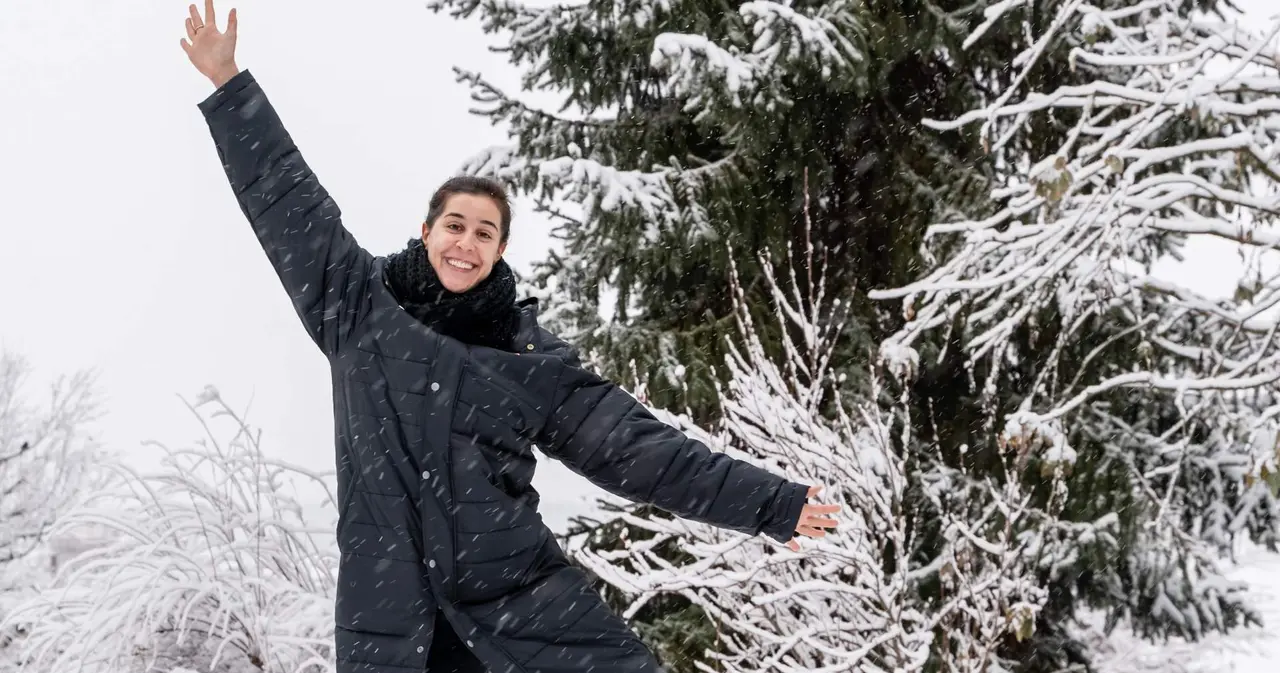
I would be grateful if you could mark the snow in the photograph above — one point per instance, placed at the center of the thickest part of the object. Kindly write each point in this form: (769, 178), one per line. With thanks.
(604, 188)
(902, 361)
(741, 73)
(208, 555)
(847, 602)
(1040, 435)
(1252, 649)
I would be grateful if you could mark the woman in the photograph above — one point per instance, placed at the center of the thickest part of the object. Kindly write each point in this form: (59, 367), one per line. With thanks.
(442, 383)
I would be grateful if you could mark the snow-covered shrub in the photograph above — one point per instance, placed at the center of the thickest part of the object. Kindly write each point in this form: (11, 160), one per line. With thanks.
(853, 600)
(209, 562)
(45, 456)
(45, 453)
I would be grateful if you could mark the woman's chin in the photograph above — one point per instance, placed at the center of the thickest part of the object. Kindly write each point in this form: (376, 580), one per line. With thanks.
(459, 283)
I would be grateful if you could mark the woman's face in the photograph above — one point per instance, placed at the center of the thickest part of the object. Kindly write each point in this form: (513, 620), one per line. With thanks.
(465, 241)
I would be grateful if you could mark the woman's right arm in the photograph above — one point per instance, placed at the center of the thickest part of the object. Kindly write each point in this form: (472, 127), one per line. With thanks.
(601, 432)
(319, 262)
(324, 270)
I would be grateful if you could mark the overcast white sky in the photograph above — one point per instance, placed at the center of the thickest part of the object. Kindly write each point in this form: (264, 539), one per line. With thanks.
(123, 248)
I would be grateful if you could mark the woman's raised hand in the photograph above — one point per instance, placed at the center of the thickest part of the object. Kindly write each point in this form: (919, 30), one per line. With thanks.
(814, 519)
(212, 51)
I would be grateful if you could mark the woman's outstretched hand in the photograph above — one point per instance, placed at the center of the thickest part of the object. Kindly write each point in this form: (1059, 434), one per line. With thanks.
(212, 51)
(814, 519)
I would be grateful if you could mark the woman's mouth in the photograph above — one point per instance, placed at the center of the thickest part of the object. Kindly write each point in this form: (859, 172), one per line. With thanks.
(459, 264)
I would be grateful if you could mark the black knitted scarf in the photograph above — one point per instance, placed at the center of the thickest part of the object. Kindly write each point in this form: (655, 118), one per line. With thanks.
(485, 315)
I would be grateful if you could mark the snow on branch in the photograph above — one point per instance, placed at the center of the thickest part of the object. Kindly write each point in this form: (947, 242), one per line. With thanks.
(853, 600)
(1176, 137)
(1182, 139)
(542, 133)
(780, 37)
(534, 26)
(46, 462)
(206, 560)
(550, 160)
(44, 453)
(628, 200)
(650, 200)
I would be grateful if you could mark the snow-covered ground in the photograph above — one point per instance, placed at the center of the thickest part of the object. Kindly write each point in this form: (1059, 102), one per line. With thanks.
(1246, 650)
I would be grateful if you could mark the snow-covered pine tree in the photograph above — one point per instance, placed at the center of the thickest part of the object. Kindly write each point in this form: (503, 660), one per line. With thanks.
(853, 601)
(682, 138)
(1047, 300)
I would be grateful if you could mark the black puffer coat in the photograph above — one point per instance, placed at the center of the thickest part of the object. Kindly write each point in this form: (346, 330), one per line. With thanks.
(434, 439)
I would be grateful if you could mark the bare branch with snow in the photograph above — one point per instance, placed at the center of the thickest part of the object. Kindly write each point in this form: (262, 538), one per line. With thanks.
(207, 560)
(44, 453)
(854, 600)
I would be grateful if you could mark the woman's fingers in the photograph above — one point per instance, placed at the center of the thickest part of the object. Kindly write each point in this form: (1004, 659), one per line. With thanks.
(813, 523)
(191, 31)
(819, 511)
(210, 18)
(195, 20)
(807, 531)
(232, 23)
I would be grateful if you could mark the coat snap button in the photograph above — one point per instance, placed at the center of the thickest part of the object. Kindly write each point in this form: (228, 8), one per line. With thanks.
(420, 649)
(426, 474)
(528, 347)
(434, 386)
(432, 563)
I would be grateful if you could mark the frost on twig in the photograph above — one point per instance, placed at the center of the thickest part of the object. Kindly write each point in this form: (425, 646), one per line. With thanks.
(1123, 373)
(206, 560)
(46, 459)
(45, 453)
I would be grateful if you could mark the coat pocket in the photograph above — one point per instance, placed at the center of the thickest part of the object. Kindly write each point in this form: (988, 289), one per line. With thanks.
(382, 617)
(378, 651)
(381, 595)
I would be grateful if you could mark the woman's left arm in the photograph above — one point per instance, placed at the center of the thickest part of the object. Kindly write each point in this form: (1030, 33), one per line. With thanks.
(604, 434)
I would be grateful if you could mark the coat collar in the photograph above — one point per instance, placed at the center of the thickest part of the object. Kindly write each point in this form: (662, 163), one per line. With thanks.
(533, 338)
(528, 331)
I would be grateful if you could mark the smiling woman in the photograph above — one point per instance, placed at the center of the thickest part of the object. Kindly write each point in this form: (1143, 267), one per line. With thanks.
(442, 384)
(454, 279)
(466, 231)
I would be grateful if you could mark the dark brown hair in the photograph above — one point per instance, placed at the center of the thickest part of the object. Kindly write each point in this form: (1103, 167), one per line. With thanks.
(479, 186)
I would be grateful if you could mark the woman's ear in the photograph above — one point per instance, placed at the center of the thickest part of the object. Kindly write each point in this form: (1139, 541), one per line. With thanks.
(426, 229)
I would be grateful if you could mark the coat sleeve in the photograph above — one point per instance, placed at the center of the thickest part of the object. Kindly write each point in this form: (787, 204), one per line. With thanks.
(601, 432)
(319, 263)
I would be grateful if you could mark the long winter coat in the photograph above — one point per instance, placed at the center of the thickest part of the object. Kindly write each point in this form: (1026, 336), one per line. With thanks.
(434, 437)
